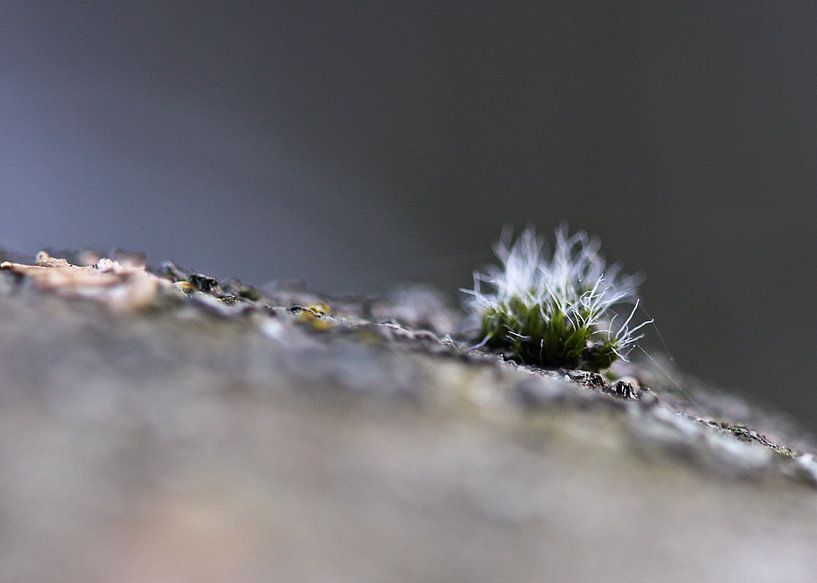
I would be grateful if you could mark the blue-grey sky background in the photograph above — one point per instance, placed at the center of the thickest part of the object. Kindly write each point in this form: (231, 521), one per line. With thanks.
(356, 145)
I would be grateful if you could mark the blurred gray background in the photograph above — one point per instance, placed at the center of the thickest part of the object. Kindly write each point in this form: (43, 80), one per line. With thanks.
(360, 145)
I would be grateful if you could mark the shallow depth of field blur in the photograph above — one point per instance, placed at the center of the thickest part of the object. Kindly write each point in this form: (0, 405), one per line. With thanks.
(357, 146)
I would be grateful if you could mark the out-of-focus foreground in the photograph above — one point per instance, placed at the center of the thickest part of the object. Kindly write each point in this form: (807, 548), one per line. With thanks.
(220, 437)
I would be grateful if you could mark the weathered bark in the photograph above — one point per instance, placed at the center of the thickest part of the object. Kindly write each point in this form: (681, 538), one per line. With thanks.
(215, 438)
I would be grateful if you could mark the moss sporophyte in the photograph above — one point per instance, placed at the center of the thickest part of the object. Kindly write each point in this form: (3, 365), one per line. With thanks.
(556, 310)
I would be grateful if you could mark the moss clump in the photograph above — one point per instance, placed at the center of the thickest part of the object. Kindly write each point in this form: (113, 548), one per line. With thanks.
(554, 342)
(554, 310)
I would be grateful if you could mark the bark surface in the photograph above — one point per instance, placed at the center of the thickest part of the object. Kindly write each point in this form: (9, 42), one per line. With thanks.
(216, 433)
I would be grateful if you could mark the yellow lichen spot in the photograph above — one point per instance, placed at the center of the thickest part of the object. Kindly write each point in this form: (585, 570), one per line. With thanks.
(321, 309)
(322, 324)
(316, 316)
(184, 286)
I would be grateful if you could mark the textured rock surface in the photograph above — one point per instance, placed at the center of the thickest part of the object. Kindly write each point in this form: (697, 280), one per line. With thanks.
(224, 436)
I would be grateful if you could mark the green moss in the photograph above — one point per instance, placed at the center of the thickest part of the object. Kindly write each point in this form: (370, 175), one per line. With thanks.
(546, 337)
(555, 309)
